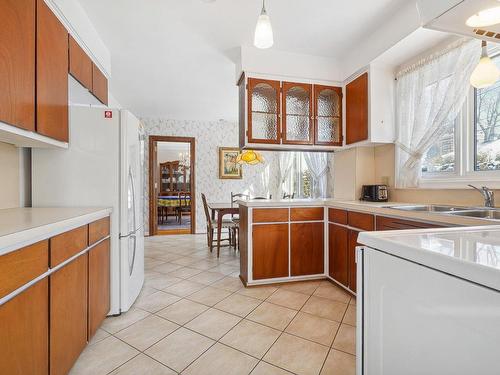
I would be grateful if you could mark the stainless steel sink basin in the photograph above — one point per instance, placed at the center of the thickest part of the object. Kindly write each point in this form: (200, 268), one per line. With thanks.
(482, 214)
(429, 208)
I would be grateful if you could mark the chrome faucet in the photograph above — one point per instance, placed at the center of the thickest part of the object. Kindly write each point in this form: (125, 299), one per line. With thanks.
(488, 195)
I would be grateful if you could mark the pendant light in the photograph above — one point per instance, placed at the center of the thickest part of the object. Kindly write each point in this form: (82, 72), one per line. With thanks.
(250, 157)
(487, 17)
(263, 31)
(486, 72)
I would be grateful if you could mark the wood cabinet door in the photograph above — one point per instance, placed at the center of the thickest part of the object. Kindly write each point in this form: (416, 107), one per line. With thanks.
(24, 332)
(270, 251)
(68, 315)
(351, 259)
(297, 107)
(357, 110)
(17, 60)
(98, 286)
(338, 254)
(264, 114)
(307, 249)
(327, 115)
(99, 85)
(80, 64)
(51, 75)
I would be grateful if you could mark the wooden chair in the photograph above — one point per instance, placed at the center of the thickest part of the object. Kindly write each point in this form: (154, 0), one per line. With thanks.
(212, 226)
(184, 205)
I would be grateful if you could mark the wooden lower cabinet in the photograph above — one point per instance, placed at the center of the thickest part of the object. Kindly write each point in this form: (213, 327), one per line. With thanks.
(68, 315)
(351, 259)
(24, 332)
(307, 248)
(99, 273)
(338, 253)
(270, 251)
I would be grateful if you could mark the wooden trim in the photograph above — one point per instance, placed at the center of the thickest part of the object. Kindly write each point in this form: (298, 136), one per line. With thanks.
(153, 141)
(270, 215)
(252, 82)
(307, 213)
(308, 88)
(337, 216)
(317, 90)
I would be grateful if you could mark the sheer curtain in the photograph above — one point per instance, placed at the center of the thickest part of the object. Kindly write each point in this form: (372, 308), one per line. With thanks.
(285, 166)
(317, 162)
(430, 94)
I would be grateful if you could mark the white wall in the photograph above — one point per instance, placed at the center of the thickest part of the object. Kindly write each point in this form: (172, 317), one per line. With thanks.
(9, 175)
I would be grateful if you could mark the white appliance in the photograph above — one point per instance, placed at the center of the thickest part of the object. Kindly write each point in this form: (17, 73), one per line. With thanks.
(413, 320)
(103, 166)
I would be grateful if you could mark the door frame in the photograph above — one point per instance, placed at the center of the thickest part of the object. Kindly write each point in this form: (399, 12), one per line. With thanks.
(153, 207)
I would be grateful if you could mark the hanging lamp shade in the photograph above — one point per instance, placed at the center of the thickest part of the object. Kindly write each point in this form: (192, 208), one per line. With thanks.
(263, 31)
(486, 72)
(484, 18)
(250, 157)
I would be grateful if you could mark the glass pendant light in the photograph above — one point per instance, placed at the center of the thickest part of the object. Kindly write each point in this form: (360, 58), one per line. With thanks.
(250, 157)
(263, 31)
(486, 72)
(487, 17)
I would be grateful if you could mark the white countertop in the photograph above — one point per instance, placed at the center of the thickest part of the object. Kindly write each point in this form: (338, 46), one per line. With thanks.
(470, 253)
(23, 226)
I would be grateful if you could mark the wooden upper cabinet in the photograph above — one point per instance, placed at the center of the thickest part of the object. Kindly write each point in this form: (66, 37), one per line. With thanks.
(52, 75)
(17, 63)
(297, 114)
(99, 85)
(264, 124)
(327, 115)
(80, 64)
(270, 251)
(357, 110)
(24, 332)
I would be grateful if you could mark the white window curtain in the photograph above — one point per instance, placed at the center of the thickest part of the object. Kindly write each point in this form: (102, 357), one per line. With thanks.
(286, 160)
(430, 94)
(317, 162)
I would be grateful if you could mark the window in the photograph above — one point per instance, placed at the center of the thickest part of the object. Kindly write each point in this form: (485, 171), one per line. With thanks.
(468, 150)
(299, 181)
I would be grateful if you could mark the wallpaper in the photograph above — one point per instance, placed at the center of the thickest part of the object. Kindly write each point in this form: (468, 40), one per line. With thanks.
(258, 180)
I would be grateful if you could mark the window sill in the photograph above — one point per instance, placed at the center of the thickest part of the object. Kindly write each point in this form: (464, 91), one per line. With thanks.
(459, 182)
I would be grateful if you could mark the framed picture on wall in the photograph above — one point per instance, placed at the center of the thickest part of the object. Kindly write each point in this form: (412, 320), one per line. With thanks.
(228, 166)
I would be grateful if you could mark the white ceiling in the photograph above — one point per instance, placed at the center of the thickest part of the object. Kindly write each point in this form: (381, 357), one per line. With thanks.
(175, 58)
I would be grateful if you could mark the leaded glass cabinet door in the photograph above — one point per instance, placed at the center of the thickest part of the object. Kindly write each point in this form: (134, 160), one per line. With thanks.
(263, 111)
(327, 115)
(297, 114)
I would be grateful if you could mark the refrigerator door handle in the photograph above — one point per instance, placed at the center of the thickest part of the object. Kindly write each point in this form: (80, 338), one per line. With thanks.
(132, 264)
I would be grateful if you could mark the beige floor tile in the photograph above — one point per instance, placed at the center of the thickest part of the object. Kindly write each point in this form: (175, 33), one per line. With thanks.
(352, 301)
(332, 292)
(350, 315)
(339, 363)
(147, 291)
(209, 296)
(156, 301)
(167, 257)
(213, 323)
(225, 269)
(207, 277)
(150, 263)
(346, 339)
(179, 349)
(325, 308)
(306, 287)
(297, 355)
(231, 284)
(252, 338)
(142, 364)
(184, 261)
(204, 264)
(219, 360)
(272, 315)
(238, 304)
(161, 281)
(264, 368)
(287, 298)
(103, 357)
(313, 328)
(182, 311)
(98, 336)
(146, 332)
(184, 288)
(166, 267)
(115, 324)
(185, 272)
(260, 292)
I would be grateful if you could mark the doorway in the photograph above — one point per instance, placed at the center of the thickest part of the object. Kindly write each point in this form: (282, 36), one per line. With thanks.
(172, 202)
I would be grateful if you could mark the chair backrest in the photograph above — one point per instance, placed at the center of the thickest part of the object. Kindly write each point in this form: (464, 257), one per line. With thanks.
(236, 196)
(288, 196)
(205, 208)
(270, 197)
(184, 196)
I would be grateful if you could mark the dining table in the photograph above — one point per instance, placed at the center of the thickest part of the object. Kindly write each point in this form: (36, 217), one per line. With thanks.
(218, 210)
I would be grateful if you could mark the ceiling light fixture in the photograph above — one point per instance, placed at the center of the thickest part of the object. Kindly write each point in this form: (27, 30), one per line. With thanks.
(250, 157)
(263, 31)
(486, 72)
(487, 17)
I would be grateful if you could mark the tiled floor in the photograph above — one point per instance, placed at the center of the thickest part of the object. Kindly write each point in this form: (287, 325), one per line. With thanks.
(195, 317)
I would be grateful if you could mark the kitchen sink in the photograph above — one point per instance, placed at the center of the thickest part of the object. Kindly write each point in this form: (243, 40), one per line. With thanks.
(429, 208)
(482, 214)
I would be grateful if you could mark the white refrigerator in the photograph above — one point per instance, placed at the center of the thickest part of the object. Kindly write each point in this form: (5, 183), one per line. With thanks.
(103, 166)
